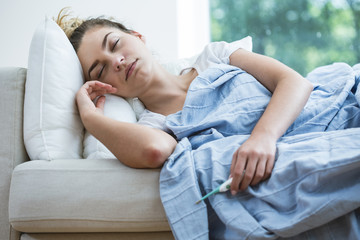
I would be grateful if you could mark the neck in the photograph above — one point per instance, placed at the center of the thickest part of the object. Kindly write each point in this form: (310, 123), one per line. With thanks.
(166, 93)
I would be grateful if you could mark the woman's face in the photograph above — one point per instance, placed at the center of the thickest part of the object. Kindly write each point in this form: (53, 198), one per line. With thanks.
(117, 58)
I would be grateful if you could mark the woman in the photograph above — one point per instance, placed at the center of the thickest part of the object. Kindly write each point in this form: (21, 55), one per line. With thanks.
(116, 60)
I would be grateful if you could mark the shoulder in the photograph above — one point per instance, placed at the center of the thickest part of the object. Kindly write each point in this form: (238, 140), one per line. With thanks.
(213, 53)
(225, 49)
(219, 53)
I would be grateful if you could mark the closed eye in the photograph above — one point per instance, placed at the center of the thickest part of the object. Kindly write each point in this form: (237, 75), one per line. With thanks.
(116, 42)
(100, 72)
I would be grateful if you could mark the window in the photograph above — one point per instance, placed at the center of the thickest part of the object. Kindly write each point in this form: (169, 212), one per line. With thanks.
(302, 34)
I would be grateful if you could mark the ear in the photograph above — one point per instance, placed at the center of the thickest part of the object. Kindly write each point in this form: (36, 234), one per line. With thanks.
(136, 34)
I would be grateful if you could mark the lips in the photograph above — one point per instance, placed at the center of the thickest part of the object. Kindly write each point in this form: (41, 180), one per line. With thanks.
(129, 70)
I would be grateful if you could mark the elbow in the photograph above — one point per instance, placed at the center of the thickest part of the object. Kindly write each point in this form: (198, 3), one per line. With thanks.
(302, 84)
(154, 156)
(158, 150)
(308, 86)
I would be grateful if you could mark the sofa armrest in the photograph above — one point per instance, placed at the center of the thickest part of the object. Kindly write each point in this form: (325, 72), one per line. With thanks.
(12, 149)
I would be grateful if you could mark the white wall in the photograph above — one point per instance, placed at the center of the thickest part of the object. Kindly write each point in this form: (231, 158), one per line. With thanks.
(193, 28)
(158, 20)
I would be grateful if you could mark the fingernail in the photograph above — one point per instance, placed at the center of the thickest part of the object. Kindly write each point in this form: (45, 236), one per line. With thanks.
(233, 192)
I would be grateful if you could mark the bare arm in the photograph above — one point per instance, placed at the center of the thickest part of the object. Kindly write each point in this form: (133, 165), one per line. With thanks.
(134, 145)
(290, 94)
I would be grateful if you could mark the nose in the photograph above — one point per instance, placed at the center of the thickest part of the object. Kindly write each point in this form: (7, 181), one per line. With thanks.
(118, 63)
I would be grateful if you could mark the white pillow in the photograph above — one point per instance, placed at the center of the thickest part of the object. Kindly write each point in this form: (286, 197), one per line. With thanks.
(52, 125)
(116, 108)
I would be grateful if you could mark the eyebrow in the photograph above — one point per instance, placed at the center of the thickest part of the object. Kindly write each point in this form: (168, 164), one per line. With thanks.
(103, 45)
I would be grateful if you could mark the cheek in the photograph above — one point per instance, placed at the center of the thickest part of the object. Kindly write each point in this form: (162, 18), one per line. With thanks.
(112, 79)
(146, 71)
(125, 93)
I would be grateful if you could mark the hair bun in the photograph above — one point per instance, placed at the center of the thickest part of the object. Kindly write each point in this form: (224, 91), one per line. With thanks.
(67, 23)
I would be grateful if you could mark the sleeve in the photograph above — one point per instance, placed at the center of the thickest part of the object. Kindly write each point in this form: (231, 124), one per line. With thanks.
(153, 120)
(219, 52)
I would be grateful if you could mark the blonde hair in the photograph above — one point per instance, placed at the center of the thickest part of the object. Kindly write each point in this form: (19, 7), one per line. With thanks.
(67, 23)
(75, 27)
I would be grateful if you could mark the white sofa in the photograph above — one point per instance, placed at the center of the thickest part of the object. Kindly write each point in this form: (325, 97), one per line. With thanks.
(69, 198)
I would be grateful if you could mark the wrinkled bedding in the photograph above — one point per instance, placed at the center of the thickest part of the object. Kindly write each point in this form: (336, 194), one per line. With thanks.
(314, 189)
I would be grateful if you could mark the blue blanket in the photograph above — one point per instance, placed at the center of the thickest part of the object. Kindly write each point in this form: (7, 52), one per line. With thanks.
(314, 189)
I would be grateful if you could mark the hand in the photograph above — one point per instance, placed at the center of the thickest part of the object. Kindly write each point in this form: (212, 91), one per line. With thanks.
(252, 162)
(88, 92)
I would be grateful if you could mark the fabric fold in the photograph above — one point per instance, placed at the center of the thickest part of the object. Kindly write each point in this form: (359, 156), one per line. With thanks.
(315, 180)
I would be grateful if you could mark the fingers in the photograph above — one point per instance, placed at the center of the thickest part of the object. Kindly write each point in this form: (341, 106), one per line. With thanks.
(237, 170)
(269, 167)
(259, 171)
(252, 170)
(100, 103)
(249, 172)
(249, 167)
(88, 92)
(96, 88)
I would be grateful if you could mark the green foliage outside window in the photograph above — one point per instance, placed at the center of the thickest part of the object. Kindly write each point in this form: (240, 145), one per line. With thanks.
(303, 34)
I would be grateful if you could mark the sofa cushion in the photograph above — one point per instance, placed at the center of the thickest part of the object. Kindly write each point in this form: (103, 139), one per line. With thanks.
(77, 195)
(99, 236)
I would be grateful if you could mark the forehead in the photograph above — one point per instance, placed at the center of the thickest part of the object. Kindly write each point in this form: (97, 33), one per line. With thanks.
(90, 46)
(93, 38)
(97, 31)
